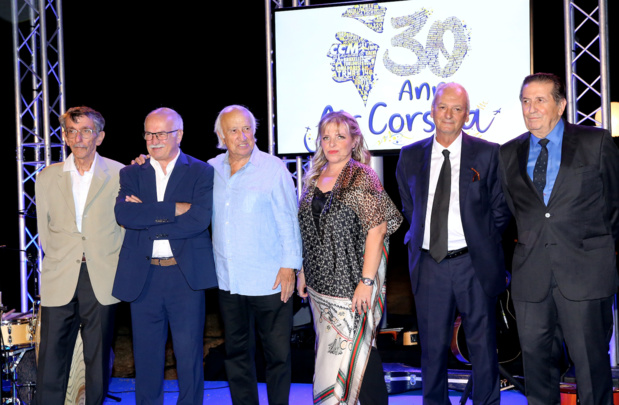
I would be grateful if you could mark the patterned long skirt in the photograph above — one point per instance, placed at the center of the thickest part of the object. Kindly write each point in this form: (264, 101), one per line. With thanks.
(343, 343)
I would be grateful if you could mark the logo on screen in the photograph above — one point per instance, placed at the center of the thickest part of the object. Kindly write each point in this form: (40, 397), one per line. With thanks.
(353, 58)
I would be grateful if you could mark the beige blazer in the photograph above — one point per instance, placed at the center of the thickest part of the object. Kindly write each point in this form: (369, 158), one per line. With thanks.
(63, 245)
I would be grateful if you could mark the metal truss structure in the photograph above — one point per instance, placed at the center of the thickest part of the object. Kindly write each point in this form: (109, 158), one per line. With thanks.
(586, 57)
(297, 167)
(39, 101)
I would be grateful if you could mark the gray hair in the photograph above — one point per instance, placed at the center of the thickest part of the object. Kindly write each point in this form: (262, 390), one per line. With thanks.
(558, 88)
(178, 120)
(219, 129)
(75, 113)
(441, 87)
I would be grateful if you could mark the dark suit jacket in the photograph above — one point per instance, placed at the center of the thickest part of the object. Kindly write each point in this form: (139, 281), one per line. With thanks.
(191, 181)
(574, 236)
(483, 210)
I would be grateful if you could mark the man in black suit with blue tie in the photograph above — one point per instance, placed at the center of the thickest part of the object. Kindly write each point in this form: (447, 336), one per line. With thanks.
(561, 182)
(451, 196)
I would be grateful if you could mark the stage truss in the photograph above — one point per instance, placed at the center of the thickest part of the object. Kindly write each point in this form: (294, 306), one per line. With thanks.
(39, 100)
(586, 60)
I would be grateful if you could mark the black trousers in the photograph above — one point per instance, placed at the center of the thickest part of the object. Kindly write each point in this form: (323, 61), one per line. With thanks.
(272, 319)
(586, 327)
(59, 329)
(373, 388)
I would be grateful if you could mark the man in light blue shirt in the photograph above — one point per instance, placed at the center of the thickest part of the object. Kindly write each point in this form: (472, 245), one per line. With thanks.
(257, 247)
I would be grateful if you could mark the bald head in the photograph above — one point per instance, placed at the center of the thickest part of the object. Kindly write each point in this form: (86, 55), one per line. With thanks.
(456, 87)
(164, 127)
(168, 114)
(450, 110)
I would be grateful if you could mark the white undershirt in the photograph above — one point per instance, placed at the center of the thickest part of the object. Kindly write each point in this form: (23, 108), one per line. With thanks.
(161, 248)
(80, 184)
(455, 232)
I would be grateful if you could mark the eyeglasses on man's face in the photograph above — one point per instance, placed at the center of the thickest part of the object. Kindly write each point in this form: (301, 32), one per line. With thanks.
(86, 133)
(162, 136)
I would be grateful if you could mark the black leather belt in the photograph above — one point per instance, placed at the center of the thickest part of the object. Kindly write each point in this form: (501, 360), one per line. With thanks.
(452, 253)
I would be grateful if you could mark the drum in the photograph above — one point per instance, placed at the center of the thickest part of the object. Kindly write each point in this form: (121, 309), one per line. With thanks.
(18, 332)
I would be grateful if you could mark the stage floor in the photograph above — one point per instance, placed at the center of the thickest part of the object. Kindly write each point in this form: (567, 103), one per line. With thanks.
(217, 392)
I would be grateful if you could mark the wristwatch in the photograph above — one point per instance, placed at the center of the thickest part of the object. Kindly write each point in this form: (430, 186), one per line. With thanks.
(297, 272)
(367, 281)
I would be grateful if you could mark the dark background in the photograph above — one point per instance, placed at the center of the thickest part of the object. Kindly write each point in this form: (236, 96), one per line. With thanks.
(125, 59)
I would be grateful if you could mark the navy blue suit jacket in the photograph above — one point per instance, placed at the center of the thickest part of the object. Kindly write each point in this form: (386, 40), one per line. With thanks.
(483, 210)
(191, 181)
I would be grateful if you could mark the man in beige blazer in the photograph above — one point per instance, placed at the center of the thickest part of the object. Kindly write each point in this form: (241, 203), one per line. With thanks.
(81, 242)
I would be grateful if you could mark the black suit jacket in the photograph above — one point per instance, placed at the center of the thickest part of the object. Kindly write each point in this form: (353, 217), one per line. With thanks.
(483, 210)
(574, 236)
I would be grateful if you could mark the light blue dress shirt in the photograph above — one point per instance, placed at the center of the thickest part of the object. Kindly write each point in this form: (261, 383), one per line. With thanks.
(255, 224)
(555, 138)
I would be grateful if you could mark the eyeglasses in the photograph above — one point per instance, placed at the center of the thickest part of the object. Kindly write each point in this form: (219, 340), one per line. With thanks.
(86, 133)
(162, 136)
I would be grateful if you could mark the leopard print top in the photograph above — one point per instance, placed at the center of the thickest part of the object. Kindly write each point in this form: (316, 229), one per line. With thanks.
(333, 254)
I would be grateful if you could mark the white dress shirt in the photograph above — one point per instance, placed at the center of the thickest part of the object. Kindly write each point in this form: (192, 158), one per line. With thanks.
(455, 232)
(161, 248)
(80, 184)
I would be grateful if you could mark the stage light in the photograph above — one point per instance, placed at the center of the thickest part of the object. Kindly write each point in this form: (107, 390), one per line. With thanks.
(614, 117)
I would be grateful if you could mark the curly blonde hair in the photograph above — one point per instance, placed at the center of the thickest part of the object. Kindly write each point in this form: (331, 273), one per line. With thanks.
(360, 152)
